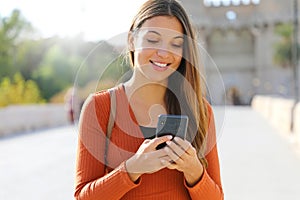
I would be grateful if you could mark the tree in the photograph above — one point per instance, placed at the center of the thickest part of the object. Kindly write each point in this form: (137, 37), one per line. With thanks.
(117, 69)
(97, 59)
(56, 72)
(54, 64)
(28, 56)
(10, 31)
(18, 91)
(283, 48)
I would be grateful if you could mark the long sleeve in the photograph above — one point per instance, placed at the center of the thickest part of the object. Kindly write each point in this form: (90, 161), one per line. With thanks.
(209, 187)
(91, 183)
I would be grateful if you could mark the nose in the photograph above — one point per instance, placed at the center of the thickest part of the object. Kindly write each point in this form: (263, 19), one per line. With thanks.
(163, 52)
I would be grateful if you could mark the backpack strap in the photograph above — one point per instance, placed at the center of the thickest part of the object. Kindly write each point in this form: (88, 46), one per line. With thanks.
(111, 121)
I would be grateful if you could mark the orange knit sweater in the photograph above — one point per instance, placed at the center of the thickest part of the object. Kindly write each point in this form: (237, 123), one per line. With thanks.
(92, 182)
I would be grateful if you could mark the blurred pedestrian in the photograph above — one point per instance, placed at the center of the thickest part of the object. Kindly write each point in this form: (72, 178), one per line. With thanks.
(72, 105)
(233, 95)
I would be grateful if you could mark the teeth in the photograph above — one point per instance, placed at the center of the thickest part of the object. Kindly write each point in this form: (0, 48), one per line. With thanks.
(160, 64)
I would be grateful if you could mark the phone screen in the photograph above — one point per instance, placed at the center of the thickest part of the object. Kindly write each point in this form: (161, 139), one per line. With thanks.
(175, 125)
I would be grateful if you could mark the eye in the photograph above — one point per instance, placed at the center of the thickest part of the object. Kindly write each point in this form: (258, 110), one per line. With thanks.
(177, 45)
(152, 41)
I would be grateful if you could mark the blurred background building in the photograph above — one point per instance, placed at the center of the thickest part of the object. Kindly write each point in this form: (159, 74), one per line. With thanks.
(240, 36)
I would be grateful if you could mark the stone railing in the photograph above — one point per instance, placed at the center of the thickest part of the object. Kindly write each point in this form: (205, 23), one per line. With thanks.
(282, 113)
(14, 119)
(296, 124)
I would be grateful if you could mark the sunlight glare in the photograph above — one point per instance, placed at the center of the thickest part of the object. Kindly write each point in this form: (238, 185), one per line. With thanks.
(96, 20)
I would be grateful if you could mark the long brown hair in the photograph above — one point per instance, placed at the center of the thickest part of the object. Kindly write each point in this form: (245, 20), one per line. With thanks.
(186, 91)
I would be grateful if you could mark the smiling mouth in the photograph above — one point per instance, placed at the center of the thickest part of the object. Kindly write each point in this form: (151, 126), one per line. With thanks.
(161, 65)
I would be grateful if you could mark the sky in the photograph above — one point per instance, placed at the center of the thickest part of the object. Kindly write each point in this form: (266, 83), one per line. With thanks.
(96, 19)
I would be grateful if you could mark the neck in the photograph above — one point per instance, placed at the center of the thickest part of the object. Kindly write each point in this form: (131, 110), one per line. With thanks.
(145, 91)
(146, 99)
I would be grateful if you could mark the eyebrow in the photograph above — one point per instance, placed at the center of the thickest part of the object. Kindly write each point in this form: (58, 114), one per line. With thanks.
(155, 32)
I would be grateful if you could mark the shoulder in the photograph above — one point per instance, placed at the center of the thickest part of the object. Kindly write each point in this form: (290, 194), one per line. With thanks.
(97, 101)
(96, 97)
(96, 105)
(101, 97)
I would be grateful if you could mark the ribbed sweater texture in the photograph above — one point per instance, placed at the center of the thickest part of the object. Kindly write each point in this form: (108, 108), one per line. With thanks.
(95, 181)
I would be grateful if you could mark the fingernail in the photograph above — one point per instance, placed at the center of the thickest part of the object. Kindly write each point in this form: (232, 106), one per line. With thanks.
(166, 150)
(170, 137)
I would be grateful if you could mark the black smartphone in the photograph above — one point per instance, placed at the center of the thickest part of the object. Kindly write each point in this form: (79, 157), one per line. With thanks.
(175, 125)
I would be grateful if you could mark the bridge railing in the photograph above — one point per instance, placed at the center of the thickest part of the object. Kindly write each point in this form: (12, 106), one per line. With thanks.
(20, 118)
(282, 113)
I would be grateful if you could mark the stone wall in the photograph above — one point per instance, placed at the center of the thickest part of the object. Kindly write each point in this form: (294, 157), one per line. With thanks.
(282, 114)
(14, 119)
(297, 122)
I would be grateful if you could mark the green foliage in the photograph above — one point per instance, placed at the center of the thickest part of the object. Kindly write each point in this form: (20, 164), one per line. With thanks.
(55, 72)
(28, 56)
(116, 69)
(18, 91)
(11, 29)
(49, 66)
(96, 62)
(284, 30)
(283, 48)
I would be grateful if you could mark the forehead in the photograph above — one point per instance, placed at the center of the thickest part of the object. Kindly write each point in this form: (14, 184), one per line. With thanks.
(163, 24)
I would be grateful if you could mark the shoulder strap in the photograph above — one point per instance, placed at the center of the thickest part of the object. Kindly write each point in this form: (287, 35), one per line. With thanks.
(112, 112)
(111, 120)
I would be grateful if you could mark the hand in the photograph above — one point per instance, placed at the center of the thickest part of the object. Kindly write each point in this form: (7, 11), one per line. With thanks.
(184, 158)
(147, 159)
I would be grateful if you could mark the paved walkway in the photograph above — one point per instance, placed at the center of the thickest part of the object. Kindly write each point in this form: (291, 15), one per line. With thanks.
(257, 163)
(38, 166)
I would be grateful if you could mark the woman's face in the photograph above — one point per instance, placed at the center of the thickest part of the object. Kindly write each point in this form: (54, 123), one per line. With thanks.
(158, 47)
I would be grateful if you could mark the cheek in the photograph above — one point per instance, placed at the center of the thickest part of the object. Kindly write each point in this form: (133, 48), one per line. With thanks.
(142, 56)
(177, 60)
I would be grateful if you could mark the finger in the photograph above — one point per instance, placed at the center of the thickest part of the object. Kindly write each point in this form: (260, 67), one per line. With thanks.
(166, 161)
(184, 144)
(176, 148)
(172, 166)
(146, 141)
(159, 140)
(191, 151)
(160, 153)
(173, 156)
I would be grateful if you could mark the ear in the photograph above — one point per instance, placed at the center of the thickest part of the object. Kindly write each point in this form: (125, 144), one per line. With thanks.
(130, 41)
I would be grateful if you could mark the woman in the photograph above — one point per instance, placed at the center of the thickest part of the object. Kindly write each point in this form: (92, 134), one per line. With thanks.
(165, 80)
